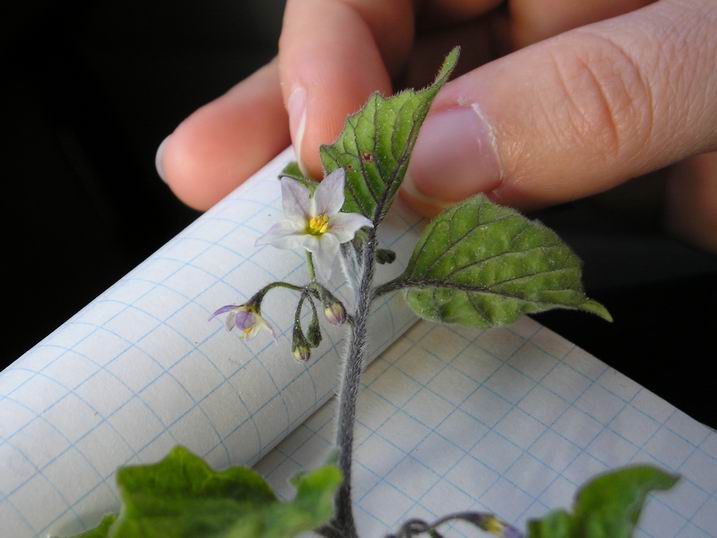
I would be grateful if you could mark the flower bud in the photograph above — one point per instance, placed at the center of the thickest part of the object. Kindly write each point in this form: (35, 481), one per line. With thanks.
(385, 256)
(313, 335)
(301, 352)
(335, 313)
(300, 348)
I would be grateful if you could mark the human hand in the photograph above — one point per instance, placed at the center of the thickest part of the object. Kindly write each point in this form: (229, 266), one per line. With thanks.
(592, 103)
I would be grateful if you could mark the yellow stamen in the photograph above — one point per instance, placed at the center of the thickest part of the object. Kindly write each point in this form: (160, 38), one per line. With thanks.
(318, 225)
(493, 526)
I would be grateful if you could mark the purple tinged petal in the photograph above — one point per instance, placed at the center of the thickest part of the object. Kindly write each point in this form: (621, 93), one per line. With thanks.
(224, 309)
(511, 532)
(329, 195)
(245, 320)
(345, 225)
(335, 314)
(295, 199)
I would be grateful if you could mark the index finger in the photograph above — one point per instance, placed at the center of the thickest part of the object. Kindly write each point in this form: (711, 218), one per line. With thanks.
(332, 55)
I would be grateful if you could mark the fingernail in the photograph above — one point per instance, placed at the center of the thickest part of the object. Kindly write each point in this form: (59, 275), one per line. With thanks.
(158, 158)
(296, 106)
(455, 157)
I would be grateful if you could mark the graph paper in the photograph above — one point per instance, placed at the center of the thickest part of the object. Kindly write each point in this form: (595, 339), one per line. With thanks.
(449, 419)
(509, 421)
(141, 369)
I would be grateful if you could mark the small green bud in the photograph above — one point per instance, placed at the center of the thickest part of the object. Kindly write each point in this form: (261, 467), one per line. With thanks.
(385, 256)
(314, 334)
(301, 352)
(300, 348)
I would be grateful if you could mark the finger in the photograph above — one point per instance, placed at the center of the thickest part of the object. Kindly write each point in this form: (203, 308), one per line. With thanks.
(576, 114)
(535, 20)
(225, 141)
(333, 55)
(692, 201)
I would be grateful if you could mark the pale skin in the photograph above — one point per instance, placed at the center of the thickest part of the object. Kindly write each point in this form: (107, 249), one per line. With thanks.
(558, 100)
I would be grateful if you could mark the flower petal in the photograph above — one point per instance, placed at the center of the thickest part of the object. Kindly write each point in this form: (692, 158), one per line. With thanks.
(229, 322)
(325, 250)
(263, 324)
(295, 199)
(345, 225)
(223, 309)
(245, 320)
(283, 234)
(329, 195)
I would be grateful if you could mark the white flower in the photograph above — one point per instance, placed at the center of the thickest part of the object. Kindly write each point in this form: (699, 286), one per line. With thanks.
(314, 222)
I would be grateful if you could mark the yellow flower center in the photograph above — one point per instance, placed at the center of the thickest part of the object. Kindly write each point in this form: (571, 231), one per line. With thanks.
(493, 526)
(318, 225)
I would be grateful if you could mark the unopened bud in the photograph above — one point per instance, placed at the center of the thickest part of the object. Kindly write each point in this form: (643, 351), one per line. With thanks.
(313, 335)
(300, 348)
(301, 352)
(385, 256)
(335, 313)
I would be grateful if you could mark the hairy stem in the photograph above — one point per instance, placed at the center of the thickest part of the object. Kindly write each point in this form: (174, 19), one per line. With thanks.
(310, 264)
(259, 295)
(348, 393)
(388, 287)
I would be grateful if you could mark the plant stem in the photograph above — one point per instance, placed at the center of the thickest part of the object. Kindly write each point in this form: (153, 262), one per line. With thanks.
(388, 287)
(348, 393)
(259, 295)
(310, 264)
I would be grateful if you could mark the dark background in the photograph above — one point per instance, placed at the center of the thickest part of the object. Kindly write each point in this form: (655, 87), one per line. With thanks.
(91, 88)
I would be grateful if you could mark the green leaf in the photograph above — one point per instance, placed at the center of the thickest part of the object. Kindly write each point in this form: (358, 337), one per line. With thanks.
(608, 506)
(376, 143)
(292, 171)
(102, 530)
(480, 264)
(181, 496)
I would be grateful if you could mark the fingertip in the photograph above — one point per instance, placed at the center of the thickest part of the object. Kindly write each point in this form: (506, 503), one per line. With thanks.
(159, 158)
(185, 161)
(335, 95)
(326, 75)
(418, 202)
(226, 141)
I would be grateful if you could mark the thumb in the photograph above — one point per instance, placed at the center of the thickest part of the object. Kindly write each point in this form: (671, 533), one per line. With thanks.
(576, 114)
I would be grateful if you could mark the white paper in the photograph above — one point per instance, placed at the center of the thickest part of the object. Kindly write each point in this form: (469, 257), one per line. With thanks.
(509, 421)
(141, 368)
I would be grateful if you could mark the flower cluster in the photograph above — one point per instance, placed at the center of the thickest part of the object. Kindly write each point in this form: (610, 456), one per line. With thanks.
(312, 221)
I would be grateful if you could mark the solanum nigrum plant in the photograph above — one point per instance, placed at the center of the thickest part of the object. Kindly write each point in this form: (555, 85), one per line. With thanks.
(477, 264)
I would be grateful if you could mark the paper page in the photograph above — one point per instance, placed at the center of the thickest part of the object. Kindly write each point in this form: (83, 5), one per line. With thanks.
(510, 421)
(141, 369)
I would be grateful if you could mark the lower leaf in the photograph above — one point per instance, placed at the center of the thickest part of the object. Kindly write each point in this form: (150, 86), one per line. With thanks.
(182, 497)
(608, 506)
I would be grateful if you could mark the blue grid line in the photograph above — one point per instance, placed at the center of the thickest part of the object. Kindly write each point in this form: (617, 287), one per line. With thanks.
(433, 430)
(88, 335)
(323, 359)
